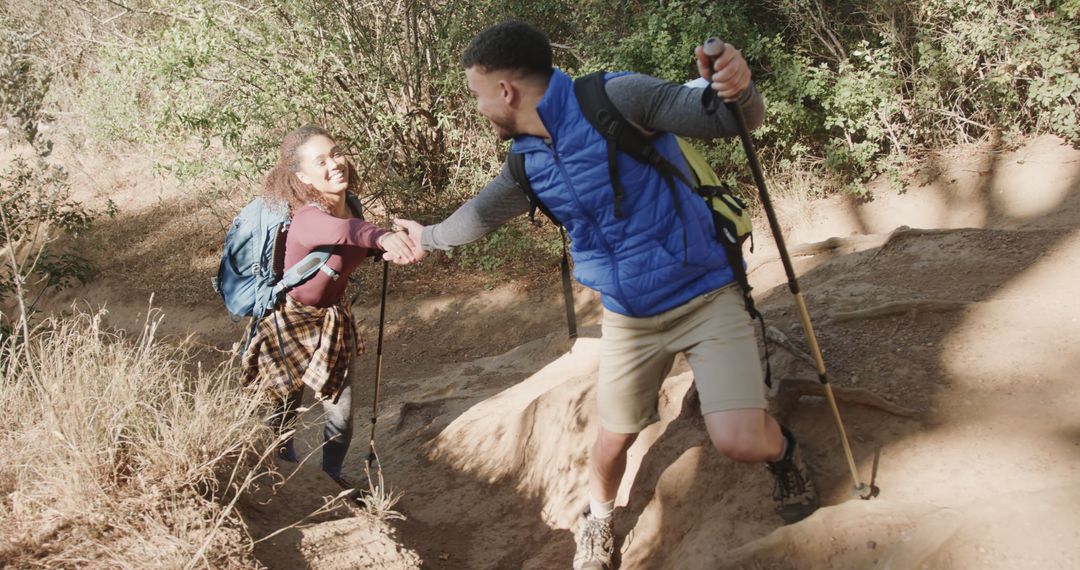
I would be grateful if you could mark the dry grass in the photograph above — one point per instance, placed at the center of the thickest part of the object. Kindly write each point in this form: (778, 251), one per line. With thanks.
(116, 455)
(379, 500)
(793, 191)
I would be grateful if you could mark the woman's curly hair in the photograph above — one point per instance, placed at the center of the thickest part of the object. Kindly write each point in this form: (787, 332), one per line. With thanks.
(283, 186)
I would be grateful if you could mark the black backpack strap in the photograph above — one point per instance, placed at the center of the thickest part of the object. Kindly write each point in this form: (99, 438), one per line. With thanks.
(606, 118)
(622, 135)
(568, 289)
(616, 130)
(727, 235)
(515, 162)
(735, 261)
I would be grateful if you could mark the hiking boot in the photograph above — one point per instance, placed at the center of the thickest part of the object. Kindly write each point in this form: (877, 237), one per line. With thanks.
(595, 543)
(794, 492)
(287, 452)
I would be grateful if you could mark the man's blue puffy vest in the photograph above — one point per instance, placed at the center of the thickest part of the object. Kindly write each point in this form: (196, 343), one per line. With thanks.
(639, 262)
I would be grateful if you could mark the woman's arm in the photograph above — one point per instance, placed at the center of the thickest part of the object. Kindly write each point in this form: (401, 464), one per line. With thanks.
(315, 227)
(312, 227)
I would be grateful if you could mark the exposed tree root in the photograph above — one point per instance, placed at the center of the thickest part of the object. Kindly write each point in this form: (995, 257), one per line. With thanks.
(899, 308)
(787, 391)
(853, 243)
(904, 232)
(425, 409)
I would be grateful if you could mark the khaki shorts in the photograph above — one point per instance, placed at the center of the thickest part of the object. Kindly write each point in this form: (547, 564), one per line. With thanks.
(716, 334)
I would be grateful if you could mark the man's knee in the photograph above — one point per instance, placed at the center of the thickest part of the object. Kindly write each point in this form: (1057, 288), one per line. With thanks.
(744, 449)
(741, 435)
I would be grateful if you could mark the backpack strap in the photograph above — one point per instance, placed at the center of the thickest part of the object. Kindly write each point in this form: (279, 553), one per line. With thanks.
(316, 260)
(619, 132)
(719, 196)
(622, 135)
(515, 162)
(735, 261)
(305, 268)
(352, 201)
(375, 254)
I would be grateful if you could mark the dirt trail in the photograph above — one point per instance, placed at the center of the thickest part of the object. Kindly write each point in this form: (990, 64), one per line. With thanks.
(952, 349)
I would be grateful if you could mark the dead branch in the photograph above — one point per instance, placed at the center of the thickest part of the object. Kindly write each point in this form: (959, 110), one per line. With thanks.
(130, 10)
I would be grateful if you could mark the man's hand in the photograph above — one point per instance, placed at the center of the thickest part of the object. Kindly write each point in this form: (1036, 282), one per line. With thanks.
(728, 72)
(413, 230)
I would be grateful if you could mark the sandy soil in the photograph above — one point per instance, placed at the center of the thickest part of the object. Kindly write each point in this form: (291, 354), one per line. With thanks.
(947, 314)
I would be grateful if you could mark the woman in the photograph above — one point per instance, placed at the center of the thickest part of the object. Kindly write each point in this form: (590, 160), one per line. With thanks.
(311, 338)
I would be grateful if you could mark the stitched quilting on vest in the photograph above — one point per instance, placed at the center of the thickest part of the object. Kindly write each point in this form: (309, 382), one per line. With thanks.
(639, 261)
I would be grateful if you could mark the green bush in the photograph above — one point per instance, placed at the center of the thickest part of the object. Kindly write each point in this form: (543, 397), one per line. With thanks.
(227, 84)
(854, 89)
(35, 204)
(35, 208)
(23, 85)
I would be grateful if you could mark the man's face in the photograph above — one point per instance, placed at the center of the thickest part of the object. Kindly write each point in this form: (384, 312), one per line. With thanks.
(491, 90)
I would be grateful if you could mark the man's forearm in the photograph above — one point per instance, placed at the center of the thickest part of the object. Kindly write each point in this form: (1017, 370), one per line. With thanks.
(499, 201)
(658, 105)
(464, 226)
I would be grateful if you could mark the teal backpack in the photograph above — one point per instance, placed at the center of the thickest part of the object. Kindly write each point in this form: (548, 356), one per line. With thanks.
(251, 276)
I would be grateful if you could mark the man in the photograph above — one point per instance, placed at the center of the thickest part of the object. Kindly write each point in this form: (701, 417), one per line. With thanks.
(664, 279)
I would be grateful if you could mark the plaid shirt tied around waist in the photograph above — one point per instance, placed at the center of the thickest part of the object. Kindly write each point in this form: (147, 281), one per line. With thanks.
(298, 344)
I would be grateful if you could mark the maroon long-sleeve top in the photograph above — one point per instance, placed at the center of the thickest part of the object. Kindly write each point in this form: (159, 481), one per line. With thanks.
(311, 228)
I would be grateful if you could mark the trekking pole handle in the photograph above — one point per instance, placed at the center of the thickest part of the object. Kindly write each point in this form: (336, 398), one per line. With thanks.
(713, 48)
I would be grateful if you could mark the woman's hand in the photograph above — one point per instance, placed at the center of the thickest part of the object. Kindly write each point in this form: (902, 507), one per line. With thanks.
(728, 72)
(416, 232)
(398, 247)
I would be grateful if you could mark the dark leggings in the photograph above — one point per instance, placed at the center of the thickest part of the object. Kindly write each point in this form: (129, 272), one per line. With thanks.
(337, 430)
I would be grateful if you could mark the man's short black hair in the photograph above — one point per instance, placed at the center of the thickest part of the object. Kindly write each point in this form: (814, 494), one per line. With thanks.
(510, 45)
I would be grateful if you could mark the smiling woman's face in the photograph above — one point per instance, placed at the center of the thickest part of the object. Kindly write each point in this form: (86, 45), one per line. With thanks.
(323, 166)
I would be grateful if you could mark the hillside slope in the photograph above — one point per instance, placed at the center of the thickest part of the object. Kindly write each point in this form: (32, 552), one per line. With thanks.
(951, 347)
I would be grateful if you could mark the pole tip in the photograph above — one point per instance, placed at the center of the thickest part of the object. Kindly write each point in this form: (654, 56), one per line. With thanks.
(865, 492)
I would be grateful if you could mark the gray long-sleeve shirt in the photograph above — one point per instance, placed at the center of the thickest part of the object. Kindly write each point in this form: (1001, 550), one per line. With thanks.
(651, 103)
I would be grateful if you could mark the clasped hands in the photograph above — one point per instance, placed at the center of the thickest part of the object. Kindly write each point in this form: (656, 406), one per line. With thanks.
(402, 246)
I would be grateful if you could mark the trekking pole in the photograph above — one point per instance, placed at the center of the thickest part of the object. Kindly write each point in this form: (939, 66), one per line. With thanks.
(713, 48)
(371, 458)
